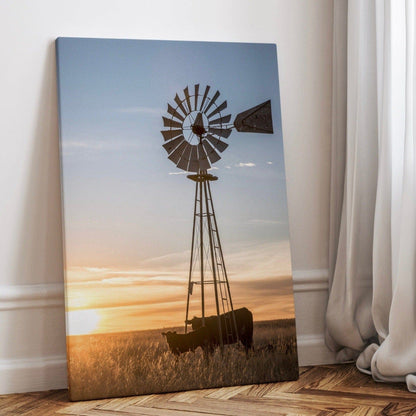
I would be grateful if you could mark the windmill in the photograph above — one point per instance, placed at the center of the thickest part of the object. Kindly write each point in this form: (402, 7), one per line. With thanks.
(194, 139)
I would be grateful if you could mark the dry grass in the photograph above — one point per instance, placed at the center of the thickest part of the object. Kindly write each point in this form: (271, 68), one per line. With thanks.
(140, 362)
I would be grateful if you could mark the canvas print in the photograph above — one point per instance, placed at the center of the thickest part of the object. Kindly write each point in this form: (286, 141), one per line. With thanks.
(176, 237)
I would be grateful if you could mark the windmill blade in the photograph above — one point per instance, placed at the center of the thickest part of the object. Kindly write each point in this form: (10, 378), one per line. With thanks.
(218, 109)
(173, 144)
(187, 152)
(256, 120)
(180, 105)
(188, 98)
(217, 143)
(204, 97)
(170, 134)
(220, 132)
(221, 120)
(203, 158)
(214, 98)
(196, 95)
(193, 160)
(174, 113)
(211, 153)
(184, 161)
(168, 122)
(177, 153)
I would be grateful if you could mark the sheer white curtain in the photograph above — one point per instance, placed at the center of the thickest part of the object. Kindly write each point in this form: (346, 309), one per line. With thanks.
(371, 315)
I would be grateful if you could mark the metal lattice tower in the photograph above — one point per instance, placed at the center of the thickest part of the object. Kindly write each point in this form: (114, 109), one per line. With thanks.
(194, 138)
(206, 250)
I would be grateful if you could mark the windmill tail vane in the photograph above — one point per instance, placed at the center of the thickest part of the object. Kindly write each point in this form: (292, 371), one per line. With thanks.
(194, 139)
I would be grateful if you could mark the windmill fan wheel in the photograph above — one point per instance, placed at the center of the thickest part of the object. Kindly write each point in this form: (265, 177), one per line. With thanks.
(196, 128)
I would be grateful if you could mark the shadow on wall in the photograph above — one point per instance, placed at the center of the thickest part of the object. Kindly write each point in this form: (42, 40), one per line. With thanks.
(36, 326)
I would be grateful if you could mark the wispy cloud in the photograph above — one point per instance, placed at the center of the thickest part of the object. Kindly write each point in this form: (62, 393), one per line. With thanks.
(74, 144)
(143, 281)
(245, 165)
(140, 110)
(91, 145)
(265, 222)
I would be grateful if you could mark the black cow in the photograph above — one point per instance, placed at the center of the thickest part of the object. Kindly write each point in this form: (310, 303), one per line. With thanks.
(244, 321)
(179, 343)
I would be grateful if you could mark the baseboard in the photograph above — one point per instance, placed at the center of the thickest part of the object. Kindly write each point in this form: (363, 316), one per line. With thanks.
(310, 288)
(312, 350)
(310, 280)
(31, 296)
(50, 372)
(34, 374)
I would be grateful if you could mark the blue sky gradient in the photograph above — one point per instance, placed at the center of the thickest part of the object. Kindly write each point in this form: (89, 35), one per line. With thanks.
(125, 203)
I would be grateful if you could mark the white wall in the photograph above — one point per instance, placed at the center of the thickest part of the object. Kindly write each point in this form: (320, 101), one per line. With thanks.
(32, 336)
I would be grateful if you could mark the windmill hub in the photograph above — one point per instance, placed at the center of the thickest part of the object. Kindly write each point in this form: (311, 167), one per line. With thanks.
(198, 126)
(194, 124)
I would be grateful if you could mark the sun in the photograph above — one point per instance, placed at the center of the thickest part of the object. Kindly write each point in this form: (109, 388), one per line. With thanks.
(82, 322)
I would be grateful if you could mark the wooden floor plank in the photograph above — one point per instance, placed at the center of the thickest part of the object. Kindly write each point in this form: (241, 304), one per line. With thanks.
(146, 411)
(386, 393)
(309, 377)
(228, 408)
(306, 406)
(121, 403)
(258, 390)
(322, 398)
(191, 396)
(226, 393)
(330, 378)
(77, 408)
(285, 407)
(364, 411)
(400, 409)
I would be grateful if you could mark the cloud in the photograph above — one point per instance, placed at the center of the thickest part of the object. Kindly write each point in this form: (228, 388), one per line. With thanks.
(245, 165)
(93, 145)
(97, 269)
(140, 110)
(257, 261)
(258, 221)
(90, 276)
(178, 173)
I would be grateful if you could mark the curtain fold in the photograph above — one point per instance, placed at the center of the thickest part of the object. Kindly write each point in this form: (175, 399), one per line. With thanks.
(371, 313)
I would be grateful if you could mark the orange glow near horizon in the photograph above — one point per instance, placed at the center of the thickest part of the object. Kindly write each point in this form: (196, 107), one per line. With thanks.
(153, 295)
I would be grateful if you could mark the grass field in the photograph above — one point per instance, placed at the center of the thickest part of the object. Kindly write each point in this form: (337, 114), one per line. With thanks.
(133, 363)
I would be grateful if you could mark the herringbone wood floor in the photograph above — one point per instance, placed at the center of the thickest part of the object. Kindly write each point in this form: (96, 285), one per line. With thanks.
(323, 390)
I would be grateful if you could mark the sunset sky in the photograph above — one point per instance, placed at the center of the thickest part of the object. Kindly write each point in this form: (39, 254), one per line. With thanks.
(128, 209)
